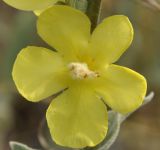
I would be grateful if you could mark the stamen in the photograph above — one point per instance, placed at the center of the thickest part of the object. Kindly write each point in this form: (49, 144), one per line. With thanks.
(81, 71)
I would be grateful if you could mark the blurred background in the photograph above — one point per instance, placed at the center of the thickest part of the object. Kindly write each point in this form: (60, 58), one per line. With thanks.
(20, 119)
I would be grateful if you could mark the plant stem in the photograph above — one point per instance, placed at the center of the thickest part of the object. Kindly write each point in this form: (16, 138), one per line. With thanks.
(91, 7)
(94, 11)
(81, 5)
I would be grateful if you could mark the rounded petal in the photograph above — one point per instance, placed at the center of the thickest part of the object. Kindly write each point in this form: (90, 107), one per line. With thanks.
(30, 4)
(111, 38)
(64, 28)
(77, 118)
(122, 88)
(38, 73)
(38, 12)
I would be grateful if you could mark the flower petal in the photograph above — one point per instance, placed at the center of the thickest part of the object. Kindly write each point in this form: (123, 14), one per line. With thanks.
(38, 12)
(30, 4)
(77, 118)
(111, 38)
(64, 28)
(38, 73)
(122, 88)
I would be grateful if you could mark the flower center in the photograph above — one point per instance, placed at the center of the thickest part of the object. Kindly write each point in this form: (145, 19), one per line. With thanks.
(81, 71)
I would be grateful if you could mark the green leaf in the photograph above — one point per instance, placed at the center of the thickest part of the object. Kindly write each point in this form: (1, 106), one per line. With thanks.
(115, 121)
(147, 99)
(19, 146)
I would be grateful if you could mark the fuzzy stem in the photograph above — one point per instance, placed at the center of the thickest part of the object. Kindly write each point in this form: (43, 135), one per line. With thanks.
(81, 5)
(91, 7)
(94, 11)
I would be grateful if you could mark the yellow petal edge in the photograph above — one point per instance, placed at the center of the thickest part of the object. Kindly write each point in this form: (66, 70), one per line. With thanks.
(30, 4)
(77, 118)
(122, 88)
(38, 73)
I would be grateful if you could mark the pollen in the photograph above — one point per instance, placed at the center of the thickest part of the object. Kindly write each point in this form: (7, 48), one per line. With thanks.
(81, 71)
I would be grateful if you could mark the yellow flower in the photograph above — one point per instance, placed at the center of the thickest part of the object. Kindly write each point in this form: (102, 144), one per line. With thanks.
(83, 64)
(38, 6)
